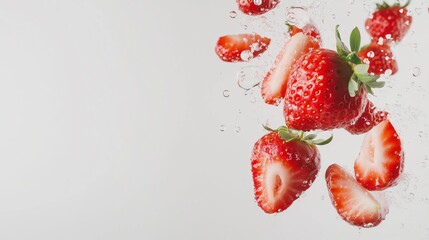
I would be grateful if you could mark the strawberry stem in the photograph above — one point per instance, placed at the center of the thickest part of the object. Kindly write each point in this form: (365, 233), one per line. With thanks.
(288, 135)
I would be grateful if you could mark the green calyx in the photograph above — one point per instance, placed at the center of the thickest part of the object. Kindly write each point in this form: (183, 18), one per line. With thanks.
(385, 5)
(289, 135)
(360, 77)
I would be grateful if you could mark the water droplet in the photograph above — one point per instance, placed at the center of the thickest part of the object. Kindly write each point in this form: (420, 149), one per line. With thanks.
(370, 54)
(233, 14)
(226, 93)
(348, 13)
(333, 16)
(416, 71)
(222, 128)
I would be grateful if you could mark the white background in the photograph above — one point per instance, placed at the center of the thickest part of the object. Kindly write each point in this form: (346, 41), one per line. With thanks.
(111, 114)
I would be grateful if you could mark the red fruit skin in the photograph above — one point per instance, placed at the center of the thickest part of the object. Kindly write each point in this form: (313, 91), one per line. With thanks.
(300, 158)
(317, 96)
(393, 20)
(309, 30)
(250, 8)
(380, 59)
(392, 161)
(369, 118)
(341, 186)
(229, 47)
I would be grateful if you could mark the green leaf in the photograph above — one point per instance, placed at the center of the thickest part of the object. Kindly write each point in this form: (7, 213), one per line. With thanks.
(323, 141)
(342, 50)
(366, 78)
(353, 58)
(267, 128)
(310, 137)
(375, 84)
(355, 40)
(361, 69)
(368, 89)
(285, 136)
(353, 86)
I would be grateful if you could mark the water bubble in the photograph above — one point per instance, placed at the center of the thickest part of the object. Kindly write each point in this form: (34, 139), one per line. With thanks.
(418, 11)
(352, 1)
(297, 16)
(222, 128)
(249, 77)
(257, 2)
(246, 55)
(233, 14)
(226, 93)
(348, 13)
(416, 71)
(370, 54)
(334, 16)
(237, 129)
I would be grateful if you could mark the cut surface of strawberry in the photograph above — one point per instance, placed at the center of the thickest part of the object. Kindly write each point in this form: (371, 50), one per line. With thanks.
(370, 117)
(309, 29)
(241, 47)
(282, 170)
(254, 7)
(275, 82)
(355, 204)
(381, 158)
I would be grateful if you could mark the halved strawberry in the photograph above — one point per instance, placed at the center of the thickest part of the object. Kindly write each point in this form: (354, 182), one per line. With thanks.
(241, 47)
(354, 204)
(274, 84)
(370, 117)
(256, 7)
(309, 29)
(381, 159)
(284, 164)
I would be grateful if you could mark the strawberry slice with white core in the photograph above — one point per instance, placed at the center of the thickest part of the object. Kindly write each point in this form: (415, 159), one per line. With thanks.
(275, 82)
(381, 158)
(355, 204)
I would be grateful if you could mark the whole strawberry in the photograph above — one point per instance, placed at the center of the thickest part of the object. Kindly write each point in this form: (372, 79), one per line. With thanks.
(326, 89)
(379, 57)
(389, 22)
(284, 164)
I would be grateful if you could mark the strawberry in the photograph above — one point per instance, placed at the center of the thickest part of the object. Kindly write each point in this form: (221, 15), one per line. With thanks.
(241, 47)
(369, 118)
(381, 159)
(256, 7)
(309, 29)
(326, 89)
(274, 84)
(284, 164)
(354, 204)
(379, 57)
(389, 22)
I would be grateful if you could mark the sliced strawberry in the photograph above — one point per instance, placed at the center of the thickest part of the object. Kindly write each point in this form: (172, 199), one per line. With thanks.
(309, 29)
(256, 7)
(354, 204)
(241, 47)
(274, 84)
(282, 171)
(370, 117)
(381, 159)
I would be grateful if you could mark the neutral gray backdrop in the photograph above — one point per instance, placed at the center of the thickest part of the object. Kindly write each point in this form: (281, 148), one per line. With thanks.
(113, 124)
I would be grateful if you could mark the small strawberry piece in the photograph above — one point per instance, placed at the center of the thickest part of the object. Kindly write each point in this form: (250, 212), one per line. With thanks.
(317, 96)
(369, 118)
(275, 82)
(282, 171)
(308, 29)
(379, 57)
(256, 7)
(381, 159)
(389, 22)
(354, 204)
(241, 47)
